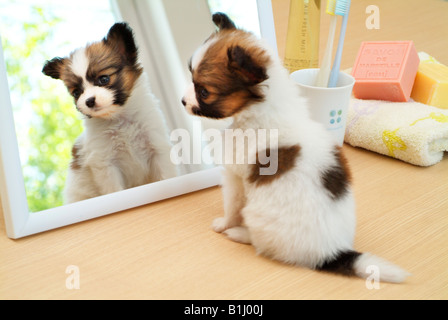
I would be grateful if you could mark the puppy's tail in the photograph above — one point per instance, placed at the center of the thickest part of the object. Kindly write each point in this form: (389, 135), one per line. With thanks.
(364, 265)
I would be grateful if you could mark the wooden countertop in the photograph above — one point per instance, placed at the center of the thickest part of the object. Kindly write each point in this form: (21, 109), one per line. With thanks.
(166, 250)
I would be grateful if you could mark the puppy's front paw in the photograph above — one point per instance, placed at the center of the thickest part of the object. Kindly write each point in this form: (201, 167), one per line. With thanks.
(238, 234)
(219, 225)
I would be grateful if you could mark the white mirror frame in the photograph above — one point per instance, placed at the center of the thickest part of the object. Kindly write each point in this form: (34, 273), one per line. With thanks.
(20, 222)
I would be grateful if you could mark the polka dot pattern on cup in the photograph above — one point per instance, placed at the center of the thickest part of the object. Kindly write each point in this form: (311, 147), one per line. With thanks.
(335, 116)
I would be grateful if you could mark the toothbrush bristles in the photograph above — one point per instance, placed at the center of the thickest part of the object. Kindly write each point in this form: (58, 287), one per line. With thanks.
(331, 6)
(342, 7)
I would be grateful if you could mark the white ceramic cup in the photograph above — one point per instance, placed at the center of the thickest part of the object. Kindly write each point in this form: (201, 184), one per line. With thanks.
(328, 106)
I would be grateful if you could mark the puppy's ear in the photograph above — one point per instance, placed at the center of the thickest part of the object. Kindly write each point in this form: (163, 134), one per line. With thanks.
(250, 67)
(121, 39)
(222, 21)
(53, 67)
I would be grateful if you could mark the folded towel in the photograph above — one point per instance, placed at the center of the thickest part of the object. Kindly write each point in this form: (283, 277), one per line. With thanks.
(409, 131)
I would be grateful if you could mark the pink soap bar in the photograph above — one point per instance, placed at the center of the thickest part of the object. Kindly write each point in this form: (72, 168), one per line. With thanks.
(385, 70)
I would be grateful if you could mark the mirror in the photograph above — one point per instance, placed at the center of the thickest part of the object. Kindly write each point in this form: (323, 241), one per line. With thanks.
(39, 122)
(46, 120)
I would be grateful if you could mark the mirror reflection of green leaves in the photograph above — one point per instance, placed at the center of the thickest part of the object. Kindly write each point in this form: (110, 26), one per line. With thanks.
(42, 106)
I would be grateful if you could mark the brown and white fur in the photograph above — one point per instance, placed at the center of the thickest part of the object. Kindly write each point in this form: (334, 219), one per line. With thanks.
(125, 141)
(304, 214)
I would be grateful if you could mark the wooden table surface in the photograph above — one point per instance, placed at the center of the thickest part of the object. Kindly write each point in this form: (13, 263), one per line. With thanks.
(167, 250)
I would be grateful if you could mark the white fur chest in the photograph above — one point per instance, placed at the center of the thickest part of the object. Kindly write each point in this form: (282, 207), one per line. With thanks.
(124, 144)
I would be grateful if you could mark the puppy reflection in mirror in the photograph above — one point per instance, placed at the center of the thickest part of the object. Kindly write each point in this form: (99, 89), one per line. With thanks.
(125, 142)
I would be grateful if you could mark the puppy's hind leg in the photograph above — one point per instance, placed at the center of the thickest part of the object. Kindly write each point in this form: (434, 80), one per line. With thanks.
(234, 201)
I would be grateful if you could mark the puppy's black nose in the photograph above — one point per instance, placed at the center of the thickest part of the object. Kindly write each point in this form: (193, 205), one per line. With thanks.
(90, 102)
(184, 102)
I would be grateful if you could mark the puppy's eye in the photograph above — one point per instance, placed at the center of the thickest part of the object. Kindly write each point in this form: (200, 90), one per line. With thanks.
(204, 93)
(103, 80)
(76, 93)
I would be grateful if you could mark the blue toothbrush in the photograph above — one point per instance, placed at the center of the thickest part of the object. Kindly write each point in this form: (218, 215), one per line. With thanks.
(342, 9)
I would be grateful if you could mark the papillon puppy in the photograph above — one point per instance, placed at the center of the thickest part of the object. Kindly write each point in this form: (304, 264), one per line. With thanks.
(304, 212)
(125, 142)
